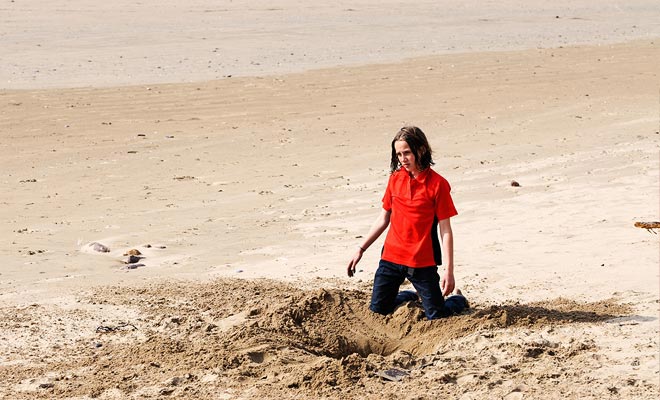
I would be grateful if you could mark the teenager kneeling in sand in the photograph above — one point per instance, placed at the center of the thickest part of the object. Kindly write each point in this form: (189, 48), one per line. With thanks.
(416, 201)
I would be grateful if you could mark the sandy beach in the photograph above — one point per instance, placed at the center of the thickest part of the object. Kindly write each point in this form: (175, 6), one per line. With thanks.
(243, 149)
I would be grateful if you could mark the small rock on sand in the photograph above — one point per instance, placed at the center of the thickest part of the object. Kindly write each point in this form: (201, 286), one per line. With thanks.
(101, 248)
(133, 259)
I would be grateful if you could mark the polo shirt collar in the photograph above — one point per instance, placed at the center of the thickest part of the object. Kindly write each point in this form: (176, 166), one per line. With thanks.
(421, 177)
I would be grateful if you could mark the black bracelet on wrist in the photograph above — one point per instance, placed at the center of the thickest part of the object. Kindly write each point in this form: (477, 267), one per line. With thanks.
(363, 249)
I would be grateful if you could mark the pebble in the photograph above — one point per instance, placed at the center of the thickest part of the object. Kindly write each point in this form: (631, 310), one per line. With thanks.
(515, 183)
(99, 247)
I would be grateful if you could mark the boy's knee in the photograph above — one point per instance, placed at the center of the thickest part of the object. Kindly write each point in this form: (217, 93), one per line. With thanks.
(405, 296)
(379, 310)
(434, 313)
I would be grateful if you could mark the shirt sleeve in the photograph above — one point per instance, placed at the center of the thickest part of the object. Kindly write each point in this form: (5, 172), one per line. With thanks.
(444, 205)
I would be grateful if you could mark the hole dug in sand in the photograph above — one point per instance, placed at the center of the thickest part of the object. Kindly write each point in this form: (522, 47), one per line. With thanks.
(338, 324)
(317, 342)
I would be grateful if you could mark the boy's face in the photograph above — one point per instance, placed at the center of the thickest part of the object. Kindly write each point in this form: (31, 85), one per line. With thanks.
(406, 156)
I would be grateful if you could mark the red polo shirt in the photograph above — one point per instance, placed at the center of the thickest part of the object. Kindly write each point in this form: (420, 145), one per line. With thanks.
(416, 206)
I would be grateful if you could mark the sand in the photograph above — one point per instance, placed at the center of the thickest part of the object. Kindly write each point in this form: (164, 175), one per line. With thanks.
(246, 197)
(77, 43)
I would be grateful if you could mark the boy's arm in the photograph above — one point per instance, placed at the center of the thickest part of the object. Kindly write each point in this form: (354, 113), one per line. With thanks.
(377, 229)
(447, 282)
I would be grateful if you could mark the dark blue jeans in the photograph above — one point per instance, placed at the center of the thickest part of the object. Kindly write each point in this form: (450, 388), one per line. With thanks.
(389, 277)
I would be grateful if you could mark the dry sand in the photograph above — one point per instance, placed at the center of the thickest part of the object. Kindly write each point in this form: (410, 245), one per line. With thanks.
(247, 196)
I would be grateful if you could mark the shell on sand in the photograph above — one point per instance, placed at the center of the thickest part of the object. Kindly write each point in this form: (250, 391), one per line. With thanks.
(96, 246)
(133, 252)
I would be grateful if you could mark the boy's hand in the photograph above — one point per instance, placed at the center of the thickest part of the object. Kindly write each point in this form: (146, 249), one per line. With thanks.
(447, 283)
(351, 265)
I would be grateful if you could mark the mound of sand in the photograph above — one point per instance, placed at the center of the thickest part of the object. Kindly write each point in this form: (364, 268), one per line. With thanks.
(272, 339)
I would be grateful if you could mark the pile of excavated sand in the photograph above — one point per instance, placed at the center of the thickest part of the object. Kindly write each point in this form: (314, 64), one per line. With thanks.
(270, 339)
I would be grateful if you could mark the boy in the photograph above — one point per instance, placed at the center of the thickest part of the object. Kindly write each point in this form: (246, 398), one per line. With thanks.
(416, 201)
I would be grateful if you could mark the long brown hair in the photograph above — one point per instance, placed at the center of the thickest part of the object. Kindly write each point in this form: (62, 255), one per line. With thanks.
(418, 144)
